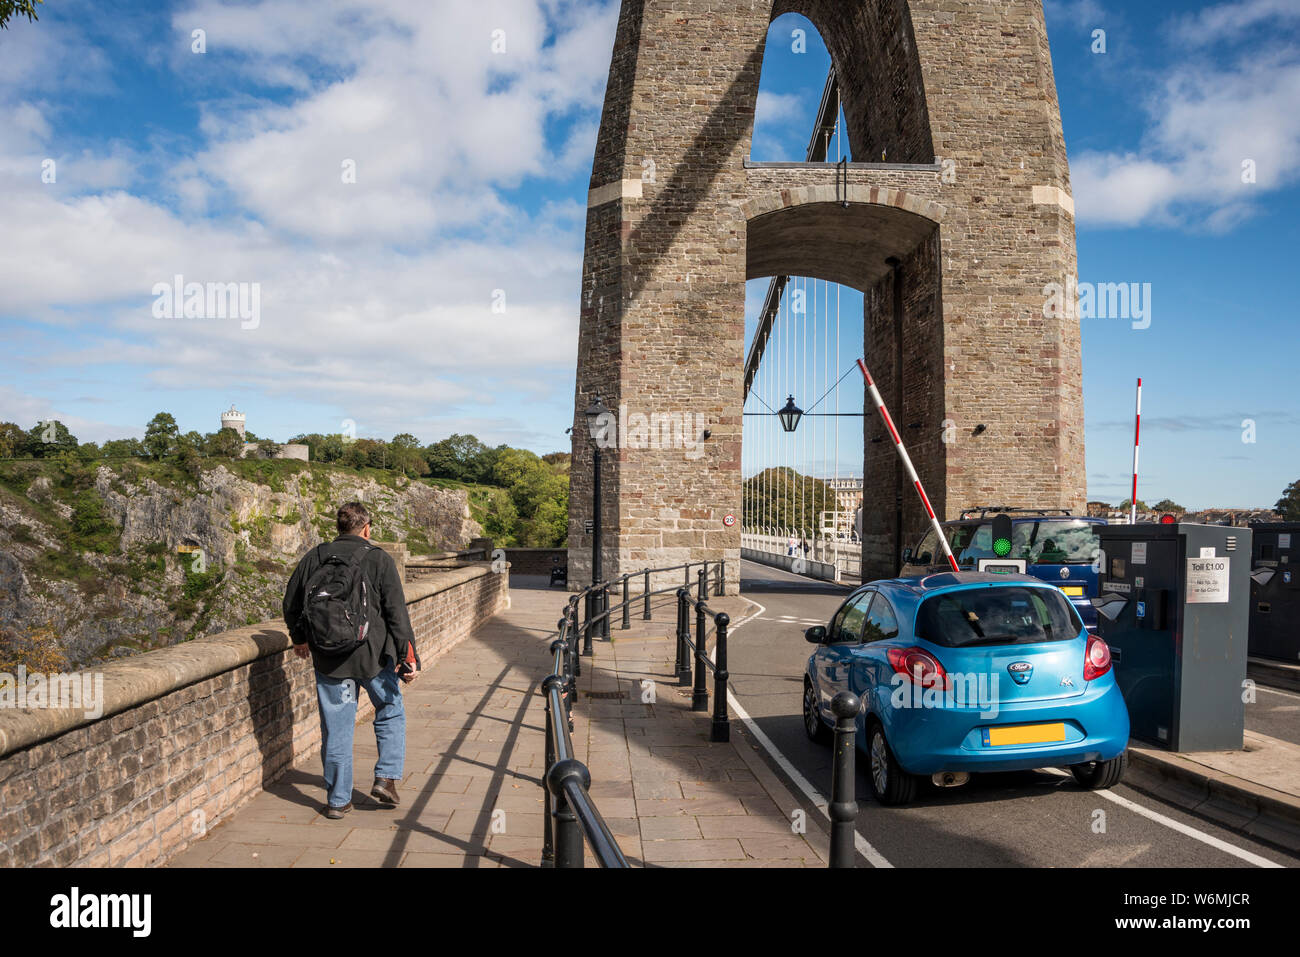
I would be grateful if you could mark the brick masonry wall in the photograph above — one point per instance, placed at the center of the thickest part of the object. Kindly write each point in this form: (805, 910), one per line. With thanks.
(535, 561)
(677, 222)
(135, 787)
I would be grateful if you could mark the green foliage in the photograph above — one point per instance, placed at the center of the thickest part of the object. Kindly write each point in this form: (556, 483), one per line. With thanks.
(786, 499)
(1167, 505)
(1289, 503)
(160, 435)
(13, 440)
(1124, 505)
(500, 519)
(122, 448)
(47, 439)
(461, 457)
(22, 8)
(225, 444)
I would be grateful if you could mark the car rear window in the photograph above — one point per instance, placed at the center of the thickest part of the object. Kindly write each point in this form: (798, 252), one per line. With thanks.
(1001, 615)
(1048, 541)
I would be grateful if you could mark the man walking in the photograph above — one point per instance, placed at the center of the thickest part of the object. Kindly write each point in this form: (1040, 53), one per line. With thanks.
(345, 607)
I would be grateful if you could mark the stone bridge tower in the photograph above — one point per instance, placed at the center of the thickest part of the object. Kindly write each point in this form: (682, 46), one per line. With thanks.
(960, 219)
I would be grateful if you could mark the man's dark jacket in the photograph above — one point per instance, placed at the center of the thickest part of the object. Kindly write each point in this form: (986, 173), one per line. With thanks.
(390, 625)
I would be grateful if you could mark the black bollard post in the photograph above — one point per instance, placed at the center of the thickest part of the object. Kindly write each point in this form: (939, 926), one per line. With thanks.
(700, 697)
(721, 723)
(627, 607)
(645, 612)
(568, 835)
(843, 807)
(702, 583)
(722, 577)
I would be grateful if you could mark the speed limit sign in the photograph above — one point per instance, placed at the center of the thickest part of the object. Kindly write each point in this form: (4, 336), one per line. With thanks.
(729, 520)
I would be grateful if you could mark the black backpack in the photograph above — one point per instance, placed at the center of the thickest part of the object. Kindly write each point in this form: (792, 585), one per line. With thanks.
(336, 605)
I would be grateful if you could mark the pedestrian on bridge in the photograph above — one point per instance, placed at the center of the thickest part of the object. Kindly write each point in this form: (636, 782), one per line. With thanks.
(345, 608)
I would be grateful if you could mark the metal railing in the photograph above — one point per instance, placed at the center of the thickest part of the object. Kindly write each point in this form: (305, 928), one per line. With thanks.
(597, 610)
(571, 815)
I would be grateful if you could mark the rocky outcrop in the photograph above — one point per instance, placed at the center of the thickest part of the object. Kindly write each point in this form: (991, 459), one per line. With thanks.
(191, 560)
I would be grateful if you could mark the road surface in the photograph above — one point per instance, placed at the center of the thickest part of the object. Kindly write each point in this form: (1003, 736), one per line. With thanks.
(1034, 818)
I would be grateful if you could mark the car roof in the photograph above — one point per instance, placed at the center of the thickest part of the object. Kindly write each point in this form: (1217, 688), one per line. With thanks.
(906, 593)
(1015, 519)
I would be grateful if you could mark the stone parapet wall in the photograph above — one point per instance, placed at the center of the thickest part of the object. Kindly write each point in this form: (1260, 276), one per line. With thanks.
(187, 734)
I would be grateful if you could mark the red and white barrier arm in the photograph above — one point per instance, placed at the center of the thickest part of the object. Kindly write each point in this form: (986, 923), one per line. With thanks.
(907, 464)
(1137, 434)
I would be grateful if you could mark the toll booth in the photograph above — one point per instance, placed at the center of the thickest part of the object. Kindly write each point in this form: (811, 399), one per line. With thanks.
(1275, 590)
(1173, 605)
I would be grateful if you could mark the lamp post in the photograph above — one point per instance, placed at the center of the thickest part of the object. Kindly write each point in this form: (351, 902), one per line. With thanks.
(593, 413)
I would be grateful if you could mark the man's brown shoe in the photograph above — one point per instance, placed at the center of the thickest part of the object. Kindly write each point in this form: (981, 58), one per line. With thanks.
(385, 791)
(335, 813)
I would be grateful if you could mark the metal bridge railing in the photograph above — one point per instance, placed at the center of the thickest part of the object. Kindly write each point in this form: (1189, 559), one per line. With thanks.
(570, 815)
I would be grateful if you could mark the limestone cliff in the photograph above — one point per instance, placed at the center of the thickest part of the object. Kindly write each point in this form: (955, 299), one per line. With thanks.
(126, 557)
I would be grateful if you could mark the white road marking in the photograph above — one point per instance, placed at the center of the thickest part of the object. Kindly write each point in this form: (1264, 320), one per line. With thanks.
(1284, 694)
(1238, 852)
(861, 843)
(877, 859)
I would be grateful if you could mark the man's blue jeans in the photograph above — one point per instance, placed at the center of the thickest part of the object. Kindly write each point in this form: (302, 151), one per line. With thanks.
(338, 716)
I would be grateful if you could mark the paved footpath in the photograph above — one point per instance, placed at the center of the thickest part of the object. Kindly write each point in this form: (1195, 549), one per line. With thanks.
(472, 792)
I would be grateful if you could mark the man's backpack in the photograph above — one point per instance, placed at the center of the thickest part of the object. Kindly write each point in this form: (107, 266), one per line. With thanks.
(336, 605)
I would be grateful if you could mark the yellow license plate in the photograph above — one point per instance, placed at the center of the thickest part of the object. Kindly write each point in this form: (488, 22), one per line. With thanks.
(1074, 591)
(1027, 734)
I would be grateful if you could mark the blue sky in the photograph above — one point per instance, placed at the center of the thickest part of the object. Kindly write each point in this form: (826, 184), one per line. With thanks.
(438, 292)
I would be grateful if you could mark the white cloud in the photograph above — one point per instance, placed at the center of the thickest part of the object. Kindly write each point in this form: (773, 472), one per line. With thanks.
(376, 297)
(1206, 122)
(1228, 21)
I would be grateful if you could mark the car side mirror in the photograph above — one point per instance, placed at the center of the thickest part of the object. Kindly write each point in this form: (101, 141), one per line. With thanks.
(816, 634)
(907, 555)
(925, 558)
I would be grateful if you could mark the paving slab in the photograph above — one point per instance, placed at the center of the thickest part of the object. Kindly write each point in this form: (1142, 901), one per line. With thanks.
(471, 793)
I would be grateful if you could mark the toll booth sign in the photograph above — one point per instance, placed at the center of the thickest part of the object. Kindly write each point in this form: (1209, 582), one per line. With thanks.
(1207, 581)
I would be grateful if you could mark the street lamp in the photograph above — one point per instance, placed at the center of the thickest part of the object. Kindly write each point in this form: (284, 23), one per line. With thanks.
(593, 413)
(790, 415)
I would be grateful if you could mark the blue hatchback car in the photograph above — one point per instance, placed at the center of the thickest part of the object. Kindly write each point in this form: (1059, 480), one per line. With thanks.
(967, 672)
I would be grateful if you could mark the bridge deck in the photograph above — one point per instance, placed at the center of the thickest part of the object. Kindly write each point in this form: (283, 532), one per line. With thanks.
(475, 725)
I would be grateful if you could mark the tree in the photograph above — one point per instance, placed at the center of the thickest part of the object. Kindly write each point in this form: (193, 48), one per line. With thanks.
(124, 448)
(1289, 503)
(25, 8)
(1123, 506)
(225, 444)
(1167, 505)
(500, 519)
(160, 435)
(267, 449)
(460, 457)
(47, 439)
(13, 440)
(783, 498)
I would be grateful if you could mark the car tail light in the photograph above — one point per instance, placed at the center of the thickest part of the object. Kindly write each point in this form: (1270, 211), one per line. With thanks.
(919, 665)
(1096, 660)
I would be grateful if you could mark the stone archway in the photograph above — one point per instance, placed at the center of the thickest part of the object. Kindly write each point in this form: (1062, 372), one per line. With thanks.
(678, 220)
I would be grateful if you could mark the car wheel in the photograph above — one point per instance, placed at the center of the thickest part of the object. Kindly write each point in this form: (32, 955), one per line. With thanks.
(890, 784)
(1100, 775)
(813, 726)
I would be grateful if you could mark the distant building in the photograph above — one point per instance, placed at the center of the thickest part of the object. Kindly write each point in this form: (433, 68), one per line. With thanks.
(232, 418)
(848, 501)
